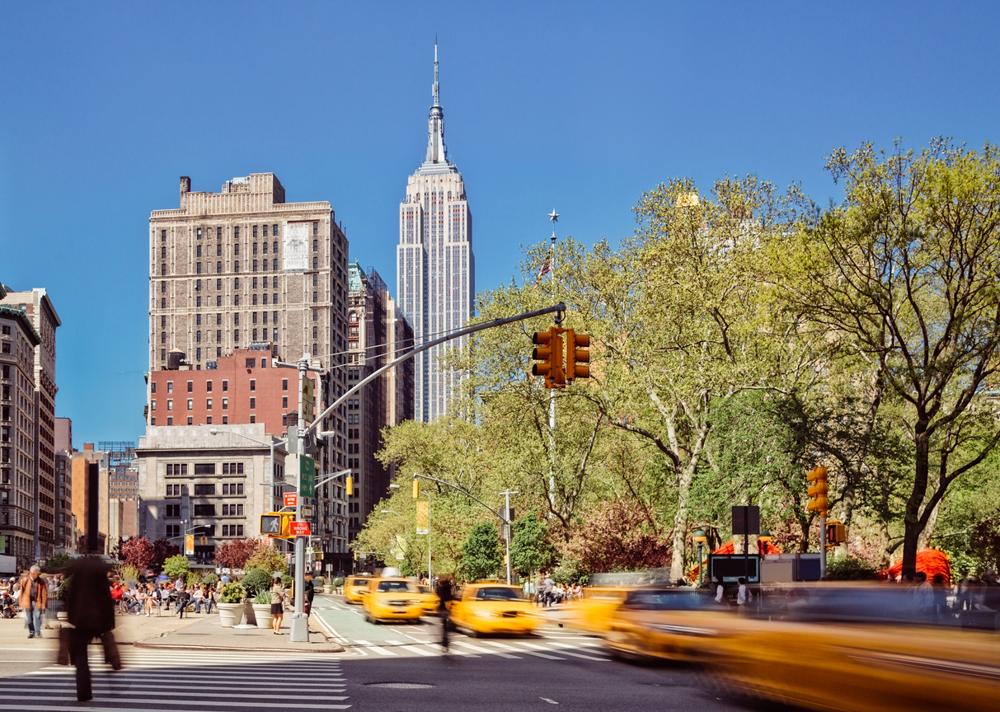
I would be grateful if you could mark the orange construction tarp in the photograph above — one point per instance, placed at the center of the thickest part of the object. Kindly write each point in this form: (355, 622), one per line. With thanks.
(930, 561)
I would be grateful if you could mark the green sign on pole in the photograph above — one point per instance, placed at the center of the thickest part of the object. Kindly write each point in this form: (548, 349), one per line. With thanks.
(307, 473)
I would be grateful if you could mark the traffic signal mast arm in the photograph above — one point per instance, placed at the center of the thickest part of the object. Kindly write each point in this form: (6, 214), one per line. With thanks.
(558, 309)
(460, 489)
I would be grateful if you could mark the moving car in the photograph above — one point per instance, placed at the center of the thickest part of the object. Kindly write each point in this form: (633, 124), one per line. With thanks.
(487, 608)
(863, 649)
(355, 588)
(666, 623)
(592, 613)
(428, 599)
(392, 599)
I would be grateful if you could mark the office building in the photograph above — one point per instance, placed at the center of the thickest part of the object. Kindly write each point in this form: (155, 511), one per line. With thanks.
(435, 266)
(89, 477)
(64, 526)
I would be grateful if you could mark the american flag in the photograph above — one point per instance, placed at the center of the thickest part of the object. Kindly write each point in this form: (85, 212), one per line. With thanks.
(546, 268)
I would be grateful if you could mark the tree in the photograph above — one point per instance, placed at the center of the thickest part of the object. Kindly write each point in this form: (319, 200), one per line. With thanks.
(139, 552)
(618, 537)
(162, 550)
(530, 548)
(481, 553)
(905, 273)
(268, 558)
(234, 554)
(177, 566)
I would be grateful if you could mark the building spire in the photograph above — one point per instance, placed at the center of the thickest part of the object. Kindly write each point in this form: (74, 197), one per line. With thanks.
(436, 151)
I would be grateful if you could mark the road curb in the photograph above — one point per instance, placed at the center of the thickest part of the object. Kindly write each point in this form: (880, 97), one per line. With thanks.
(328, 648)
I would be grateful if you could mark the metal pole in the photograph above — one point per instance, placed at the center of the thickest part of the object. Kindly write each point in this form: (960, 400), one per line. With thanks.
(506, 529)
(822, 545)
(552, 447)
(429, 576)
(300, 628)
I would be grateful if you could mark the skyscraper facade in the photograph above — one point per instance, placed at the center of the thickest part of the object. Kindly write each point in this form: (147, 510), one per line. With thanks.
(242, 268)
(435, 267)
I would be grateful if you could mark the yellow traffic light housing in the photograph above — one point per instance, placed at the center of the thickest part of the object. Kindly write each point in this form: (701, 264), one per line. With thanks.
(416, 488)
(349, 485)
(836, 533)
(577, 355)
(818, 490)
(277, 525)
(548, 355)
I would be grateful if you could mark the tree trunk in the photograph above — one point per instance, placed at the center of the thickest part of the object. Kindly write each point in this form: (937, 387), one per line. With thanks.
(679, 537)
(911, 518)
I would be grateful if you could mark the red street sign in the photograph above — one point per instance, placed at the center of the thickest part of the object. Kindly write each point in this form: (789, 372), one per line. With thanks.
(301, 529)
(291, 499)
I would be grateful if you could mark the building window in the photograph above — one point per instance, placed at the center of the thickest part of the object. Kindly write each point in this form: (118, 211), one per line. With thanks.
(170, 420)
(236, 232)
(253, 419)
(284, 401)
(253, 403)
(208, 386)
(218, 283)
(225, 404)
(197, 267)
(208, 403)
(204, 468)
(170, 386)
(225, 386)
(274, 264)
(173, 511)
(152, 387)
(190, 420)
(236, 263)
(274, 233)
(225, 420)
(274, 298)
(204, 489)
(218, 233)
(204, 510)
(208, 420)
(253, 384)
(170, 404)
(218, 269)
(255, 231)
(197, 251)
(284, 384)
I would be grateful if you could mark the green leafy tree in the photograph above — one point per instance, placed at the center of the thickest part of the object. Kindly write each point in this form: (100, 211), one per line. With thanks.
(530, 548)
(268, 559)
(904, 272)
(481, 557)
(177, 566)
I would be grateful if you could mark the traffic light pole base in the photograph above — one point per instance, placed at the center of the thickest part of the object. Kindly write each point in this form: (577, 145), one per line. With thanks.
(300, 628)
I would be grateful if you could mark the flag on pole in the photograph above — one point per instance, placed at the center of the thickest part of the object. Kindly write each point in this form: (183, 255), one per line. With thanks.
(546, 268)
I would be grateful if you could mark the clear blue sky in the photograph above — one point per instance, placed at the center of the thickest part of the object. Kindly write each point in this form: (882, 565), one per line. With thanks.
(579, 106)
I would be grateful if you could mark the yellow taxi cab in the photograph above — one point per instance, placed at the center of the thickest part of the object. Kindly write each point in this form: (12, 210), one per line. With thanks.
(356, 588)
(863, 650)
(486, 608)
(667, 623)
(392, 599)
(428, 599)
(592, 613)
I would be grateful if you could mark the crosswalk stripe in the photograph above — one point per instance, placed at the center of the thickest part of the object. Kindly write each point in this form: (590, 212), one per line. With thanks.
(380, 650)
(564, 652)
(149, 680)
(42, 692)
(61, 707)
(525, 652)
(487, 651)
(420, 650)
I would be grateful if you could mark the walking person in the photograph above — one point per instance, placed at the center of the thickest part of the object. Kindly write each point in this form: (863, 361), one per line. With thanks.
(743, 595)
(277, 604)
(445, 594)
(309, 589)
(33, 600)
(92, 614)
(182, 596)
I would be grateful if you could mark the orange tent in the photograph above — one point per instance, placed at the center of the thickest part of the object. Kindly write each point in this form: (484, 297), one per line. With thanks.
(930, 561)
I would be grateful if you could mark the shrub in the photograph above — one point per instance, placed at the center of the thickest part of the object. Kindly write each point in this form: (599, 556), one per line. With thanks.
(176, 566)
(262, 597)
(256, 580)
(57, 563)
(850, 569)
(128, 573)
(232, 592)
(210, 579)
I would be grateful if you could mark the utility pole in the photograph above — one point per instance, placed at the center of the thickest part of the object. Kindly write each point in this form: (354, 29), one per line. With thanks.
(507, 528)
(300, 625)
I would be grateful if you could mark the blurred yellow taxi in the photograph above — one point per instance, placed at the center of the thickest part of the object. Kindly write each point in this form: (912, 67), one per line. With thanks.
(428, 599)
(486, 608)
(592, 613)
(678, 624)
(356, 588)
(863, 650)
(392, 599)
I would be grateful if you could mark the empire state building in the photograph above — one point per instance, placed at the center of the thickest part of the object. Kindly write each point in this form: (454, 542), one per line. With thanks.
(435, 267)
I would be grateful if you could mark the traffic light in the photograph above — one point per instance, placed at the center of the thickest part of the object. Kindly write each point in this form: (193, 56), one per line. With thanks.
(548, 354)
(836, 533)
(577, 355)
(416, 488)
(277, 525)
(817, 491)
(349, 485)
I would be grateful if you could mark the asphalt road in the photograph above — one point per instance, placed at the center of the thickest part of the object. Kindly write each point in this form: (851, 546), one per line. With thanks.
(391, 667)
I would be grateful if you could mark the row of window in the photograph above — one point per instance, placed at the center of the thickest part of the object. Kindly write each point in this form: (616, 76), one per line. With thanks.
(229, 489)
(174, 531)
(190, 420)
(204, 468)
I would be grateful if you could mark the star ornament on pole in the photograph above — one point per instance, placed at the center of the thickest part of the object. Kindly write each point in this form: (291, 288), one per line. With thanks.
(554, 216)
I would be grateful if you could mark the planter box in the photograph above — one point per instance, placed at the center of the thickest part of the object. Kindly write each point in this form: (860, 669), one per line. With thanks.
(262, 612)
(230, 614)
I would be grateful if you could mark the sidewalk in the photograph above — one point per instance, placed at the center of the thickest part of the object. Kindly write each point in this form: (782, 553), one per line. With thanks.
(195, 631)
(206, 633)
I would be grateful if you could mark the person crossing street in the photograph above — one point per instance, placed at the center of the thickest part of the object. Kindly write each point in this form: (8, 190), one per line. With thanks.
(33, 600)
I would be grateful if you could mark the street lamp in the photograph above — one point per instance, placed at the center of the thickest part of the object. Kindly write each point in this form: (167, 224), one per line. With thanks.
(699, 538)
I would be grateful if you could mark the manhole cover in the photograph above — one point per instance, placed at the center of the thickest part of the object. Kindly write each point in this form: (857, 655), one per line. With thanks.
(399, 685)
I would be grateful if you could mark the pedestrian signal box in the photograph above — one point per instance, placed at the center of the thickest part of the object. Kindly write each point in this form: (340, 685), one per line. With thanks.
(836, 533)
(277, 525)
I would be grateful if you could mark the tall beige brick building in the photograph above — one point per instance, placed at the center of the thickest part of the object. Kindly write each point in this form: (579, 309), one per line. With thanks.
(242, 267)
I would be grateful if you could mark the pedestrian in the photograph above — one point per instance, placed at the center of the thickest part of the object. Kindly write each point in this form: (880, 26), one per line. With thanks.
(277, 604)
(309, 591)
(91, 612)
(445, 593)
(33, 600)
(182, 596)
(940, 593)
(206, 599)
(720, 590)
(743, 594)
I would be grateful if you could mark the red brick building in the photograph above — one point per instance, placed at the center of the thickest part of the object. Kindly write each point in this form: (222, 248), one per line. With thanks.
(238, 389)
